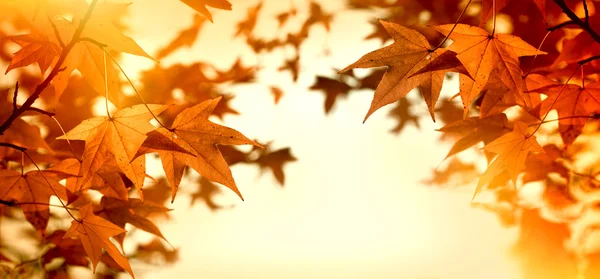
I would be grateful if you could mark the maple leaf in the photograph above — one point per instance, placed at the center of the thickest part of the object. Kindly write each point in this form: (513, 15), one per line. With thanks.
(132, 211)
(186, 37)
(200, 6)
(149, 250)
(192, 130)
(512, 149)
(572, 103)
(275, 160)
(35, 48)
(481, 52)
(102, 28)
(69, 249)
(206, 192)
(32, 190)
(538, 166)
(94, 233)
(474, 130)
(406, 56)
(246, 26)
(332, 88)
(401, 112)
(106, 180)
(122, 134)
(455, 174)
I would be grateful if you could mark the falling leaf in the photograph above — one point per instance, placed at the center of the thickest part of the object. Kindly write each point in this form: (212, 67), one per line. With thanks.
(332, 88)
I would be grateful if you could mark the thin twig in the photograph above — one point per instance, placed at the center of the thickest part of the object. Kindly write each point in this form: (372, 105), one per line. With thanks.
(13, 146)
(16, 203)
(41, 111)
(587, 14)
(583, 24)
(99, 44)
(15, 94)
(56, 33)
(561, 25)
(587, 60)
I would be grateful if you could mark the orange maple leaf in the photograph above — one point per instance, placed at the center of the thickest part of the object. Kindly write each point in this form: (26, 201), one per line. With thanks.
(35, 48)
(94, 233)
(122, 134)
(512, 149)
(481, 52)
(192, 130)
(186, 37)
(132, 211)
(572, 103)
(200, 6)
(33, 191)
(405, 57)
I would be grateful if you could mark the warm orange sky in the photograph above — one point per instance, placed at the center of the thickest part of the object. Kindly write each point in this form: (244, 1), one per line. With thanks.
(352, 206)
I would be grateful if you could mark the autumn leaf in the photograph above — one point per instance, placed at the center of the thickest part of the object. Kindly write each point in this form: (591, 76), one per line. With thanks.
(122, 134)
(206, 192)
(573, 104)
(406, 56)
(275, 160)
(246, 26)
(192, 130)
(200, 6)
(186, 37)
(512, 149)
(107, 179)
(70, 249)
(481, 52)
(94, 233)
(474, 130)
(35, 48)
(32, 190)
(402, 114)
(132, 211)
(332, 88)
(156, 246)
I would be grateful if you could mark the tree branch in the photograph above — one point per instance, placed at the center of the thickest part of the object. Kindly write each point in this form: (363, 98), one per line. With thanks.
(42, 86)
(583, 24)
(13, 146)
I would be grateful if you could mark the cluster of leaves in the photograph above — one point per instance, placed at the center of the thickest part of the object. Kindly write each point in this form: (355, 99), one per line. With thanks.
(96, 170)
(514, 89)
(528, 96)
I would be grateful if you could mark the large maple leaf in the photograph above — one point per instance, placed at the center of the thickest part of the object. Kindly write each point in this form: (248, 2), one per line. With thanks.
(192, 131)
(33, 191)
(512, 149)
(404, 58)
(122, 134)
(481, 52)
(94, 233)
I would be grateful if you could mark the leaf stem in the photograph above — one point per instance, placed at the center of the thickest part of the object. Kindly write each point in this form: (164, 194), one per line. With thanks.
(453, 27)
(134, 89)
(67, 138)
(536, 54)
(555, 100)
(50, 185)
(106, 84)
